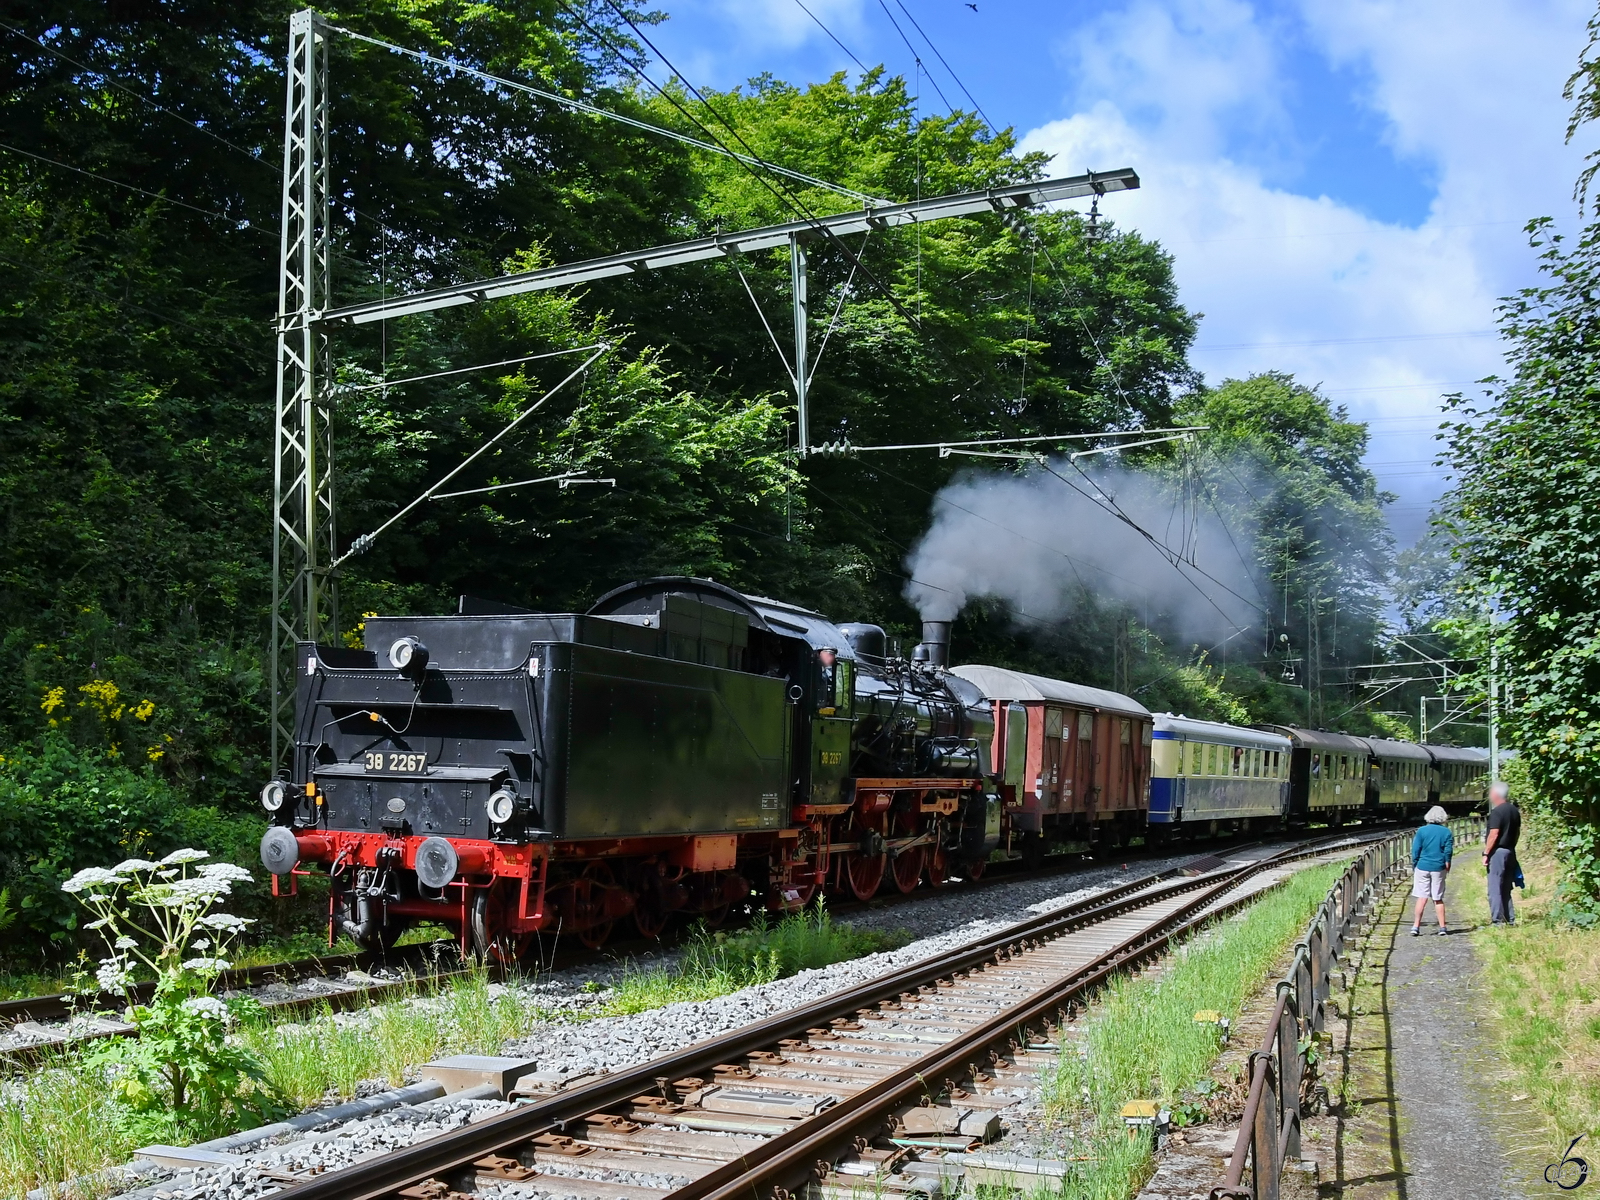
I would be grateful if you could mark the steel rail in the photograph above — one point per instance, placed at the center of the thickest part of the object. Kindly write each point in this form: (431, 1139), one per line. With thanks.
(57, 1005)
(457, 1151)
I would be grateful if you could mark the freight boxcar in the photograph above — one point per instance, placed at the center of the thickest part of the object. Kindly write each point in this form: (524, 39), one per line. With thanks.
(1073, 761)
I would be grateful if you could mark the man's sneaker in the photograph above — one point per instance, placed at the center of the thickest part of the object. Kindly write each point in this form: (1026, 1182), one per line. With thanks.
(1416, 931)
(1443, 932)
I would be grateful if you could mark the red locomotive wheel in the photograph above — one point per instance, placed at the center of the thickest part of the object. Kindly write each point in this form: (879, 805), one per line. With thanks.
(649, 919)
(861, 872)
(590, 889)
(938, 867)
(864, 874)
(972, 869)
(906, 869)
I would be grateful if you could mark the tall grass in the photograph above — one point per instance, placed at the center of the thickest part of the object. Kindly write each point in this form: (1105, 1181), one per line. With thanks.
(1542, 977)
(1141, 1042)
(60, 1122)
(718, 964)
(304, 1063)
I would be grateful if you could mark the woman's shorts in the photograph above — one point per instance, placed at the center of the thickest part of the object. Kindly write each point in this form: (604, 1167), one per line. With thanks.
(1428, 885)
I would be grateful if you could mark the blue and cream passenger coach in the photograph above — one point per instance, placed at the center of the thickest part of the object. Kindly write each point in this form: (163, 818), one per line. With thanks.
(1205, 771)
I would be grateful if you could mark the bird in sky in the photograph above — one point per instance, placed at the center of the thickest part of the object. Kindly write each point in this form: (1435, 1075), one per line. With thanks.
(973, 7)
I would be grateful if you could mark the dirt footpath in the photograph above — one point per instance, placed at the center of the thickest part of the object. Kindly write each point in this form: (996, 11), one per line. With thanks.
(1427, 1110)
(1420, 1104)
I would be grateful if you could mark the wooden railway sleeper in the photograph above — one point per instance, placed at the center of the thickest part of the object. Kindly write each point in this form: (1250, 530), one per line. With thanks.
(401, 1169)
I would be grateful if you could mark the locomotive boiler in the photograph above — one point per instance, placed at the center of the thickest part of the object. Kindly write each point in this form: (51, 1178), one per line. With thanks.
(679, 748)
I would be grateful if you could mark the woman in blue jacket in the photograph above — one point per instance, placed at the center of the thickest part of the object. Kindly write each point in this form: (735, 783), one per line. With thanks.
(1431, 851)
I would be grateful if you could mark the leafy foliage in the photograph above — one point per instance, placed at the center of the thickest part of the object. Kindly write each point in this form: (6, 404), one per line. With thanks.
(1527, 515)
(181, 1077)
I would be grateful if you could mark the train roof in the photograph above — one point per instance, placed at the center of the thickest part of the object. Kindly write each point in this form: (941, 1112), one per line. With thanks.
(816, 629)
(1388, 748)
(1170, 725)
(1466, 754)
(1317, 739)
(1001, 683)
(774, 616)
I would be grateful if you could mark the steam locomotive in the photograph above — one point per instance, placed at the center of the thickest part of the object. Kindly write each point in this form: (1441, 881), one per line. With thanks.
(676, 749)
(680, 748)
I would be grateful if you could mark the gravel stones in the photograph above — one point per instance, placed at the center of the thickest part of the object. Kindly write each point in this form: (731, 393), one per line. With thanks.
(572, 1043)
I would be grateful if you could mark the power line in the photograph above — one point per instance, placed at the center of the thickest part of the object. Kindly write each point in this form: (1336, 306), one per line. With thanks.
(205, 212)
(947, 66)
(504, 362)
(915, 56)
(786, 197)
(864, 69)
(121, 87)
(1392, 337)
(1109, 504)
(593, 110)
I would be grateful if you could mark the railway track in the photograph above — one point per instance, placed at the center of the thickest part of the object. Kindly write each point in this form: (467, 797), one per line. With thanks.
(338, 981)
(347, 981)
(882, 1088)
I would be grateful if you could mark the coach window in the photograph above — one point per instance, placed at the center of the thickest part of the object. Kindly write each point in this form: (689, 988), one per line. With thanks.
(1196, 751)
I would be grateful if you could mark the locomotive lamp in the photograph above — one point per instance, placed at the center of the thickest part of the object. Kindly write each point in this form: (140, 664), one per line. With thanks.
(409, 656)
(272, 795)
(502, 806)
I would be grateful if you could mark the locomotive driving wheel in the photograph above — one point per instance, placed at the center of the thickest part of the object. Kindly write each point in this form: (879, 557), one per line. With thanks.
(650, 911)
(589, 891)
(650, 916)
(906, 869)
(863, 870)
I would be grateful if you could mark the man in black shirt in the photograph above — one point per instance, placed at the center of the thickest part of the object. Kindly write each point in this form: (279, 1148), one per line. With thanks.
(1500, 853)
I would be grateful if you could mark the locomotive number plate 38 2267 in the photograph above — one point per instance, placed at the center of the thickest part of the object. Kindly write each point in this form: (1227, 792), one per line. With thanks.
(391, 762)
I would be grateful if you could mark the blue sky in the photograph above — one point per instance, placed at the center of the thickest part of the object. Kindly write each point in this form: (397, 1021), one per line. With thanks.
(1343, 182)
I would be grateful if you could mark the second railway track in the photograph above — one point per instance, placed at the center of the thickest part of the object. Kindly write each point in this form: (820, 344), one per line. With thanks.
(880, 1088)
(30, 1025)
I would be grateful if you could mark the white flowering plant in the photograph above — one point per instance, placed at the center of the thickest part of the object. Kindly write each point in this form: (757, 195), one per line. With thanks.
(181, 1077)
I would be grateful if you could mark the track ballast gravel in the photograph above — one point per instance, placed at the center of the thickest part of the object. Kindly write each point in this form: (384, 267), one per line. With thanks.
(571, 1043)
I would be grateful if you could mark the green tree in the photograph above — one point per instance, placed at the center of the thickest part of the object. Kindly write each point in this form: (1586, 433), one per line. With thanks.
(1526, 515)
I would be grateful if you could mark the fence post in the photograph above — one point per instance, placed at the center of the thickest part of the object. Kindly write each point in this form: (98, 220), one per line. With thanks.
(1268, 1167)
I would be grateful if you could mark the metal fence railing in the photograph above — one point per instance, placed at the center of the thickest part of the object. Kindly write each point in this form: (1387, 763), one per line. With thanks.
(1281, 1071)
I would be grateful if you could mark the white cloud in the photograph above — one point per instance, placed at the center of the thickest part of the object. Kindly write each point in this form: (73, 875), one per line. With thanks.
(780, 24)
(1186, 92)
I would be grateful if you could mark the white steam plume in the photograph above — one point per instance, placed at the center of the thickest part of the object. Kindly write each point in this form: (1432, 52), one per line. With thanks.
(1040, 540)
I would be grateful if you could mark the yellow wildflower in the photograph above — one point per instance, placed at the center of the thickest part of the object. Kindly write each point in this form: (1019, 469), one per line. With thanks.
(54, 699)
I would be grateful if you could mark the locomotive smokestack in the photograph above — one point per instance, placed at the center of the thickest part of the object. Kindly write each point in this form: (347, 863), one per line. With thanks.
(936, 637)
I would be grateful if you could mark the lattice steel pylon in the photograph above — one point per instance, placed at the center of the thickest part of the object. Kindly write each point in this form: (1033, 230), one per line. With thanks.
(304, 592)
